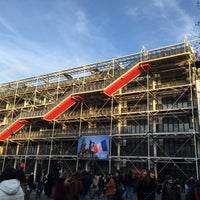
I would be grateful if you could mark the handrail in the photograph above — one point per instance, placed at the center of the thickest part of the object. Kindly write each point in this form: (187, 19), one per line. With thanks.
(132, 59)
(60, 76)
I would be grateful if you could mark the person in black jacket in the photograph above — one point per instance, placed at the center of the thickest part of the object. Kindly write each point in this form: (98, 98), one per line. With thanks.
(86, 183)
(22, 178)
(129, 183)
(170, 190)
(140, 185)
(149, 186)
(30, 182)
(120, 186)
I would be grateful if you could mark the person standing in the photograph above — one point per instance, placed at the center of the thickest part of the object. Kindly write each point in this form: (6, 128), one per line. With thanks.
(10, 187)
(73, 186)
(22, 178)
(170, 190)
(30, 182)
(110, 188)
(86, 183)
(120, 187)
(149, 186)
(130, 182)
(140, 185)
(60, 189)
(50, 182)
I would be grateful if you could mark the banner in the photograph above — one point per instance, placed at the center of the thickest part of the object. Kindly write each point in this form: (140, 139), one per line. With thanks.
(93, 147)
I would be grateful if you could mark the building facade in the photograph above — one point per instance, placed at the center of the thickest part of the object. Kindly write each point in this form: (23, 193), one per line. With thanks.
(146, 103)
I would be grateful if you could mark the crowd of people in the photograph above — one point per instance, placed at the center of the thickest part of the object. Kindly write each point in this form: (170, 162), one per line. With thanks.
(84, 185)
(143, 185)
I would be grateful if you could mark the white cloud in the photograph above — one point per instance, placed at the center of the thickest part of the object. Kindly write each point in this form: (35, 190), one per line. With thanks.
(9, 72)
(165, 3)
(178, 22)
(68, 35)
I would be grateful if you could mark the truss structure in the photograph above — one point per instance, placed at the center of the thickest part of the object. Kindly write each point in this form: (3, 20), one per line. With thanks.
(148, 104)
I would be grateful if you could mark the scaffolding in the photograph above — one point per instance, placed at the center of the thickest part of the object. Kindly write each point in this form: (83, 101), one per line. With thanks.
(147, 103)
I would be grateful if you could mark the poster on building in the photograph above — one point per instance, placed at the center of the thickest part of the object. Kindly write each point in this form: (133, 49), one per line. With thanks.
(93, 147)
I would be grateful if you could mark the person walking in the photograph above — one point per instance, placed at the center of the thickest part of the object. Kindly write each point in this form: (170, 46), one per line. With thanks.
(40, 183)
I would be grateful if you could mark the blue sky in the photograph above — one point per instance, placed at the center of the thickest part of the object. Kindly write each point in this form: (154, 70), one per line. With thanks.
(42, 36)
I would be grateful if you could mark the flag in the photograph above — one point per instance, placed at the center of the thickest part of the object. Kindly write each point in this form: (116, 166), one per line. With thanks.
(99, 147)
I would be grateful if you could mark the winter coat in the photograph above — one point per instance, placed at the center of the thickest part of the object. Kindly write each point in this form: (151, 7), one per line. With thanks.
(11, 190)
(193, 192)
(139, 188)
(30, 181)
(146, 189)
(151, 189)
(86, 183)
(170, 191)
(73, 187)
(110, 187)
(60, 189)
(120, 187)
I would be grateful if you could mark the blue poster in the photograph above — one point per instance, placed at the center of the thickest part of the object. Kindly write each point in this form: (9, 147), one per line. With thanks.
(93, 147)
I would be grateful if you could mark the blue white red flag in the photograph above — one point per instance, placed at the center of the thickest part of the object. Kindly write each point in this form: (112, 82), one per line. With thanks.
(99, 147)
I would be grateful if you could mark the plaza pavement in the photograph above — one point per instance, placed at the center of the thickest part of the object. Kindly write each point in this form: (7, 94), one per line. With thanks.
(44, 197)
